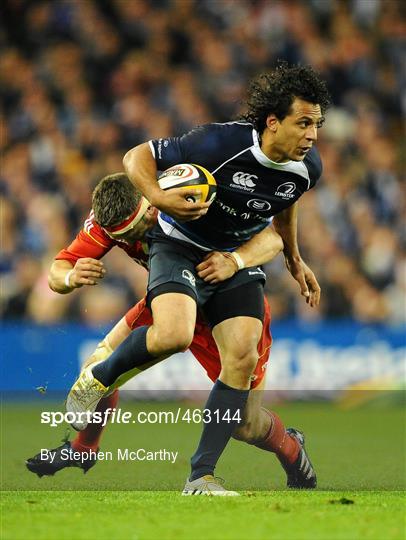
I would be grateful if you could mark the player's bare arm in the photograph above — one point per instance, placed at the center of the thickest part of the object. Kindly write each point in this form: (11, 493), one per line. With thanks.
(285, 224)
(140, 166)
(64, 277)
(220, 265)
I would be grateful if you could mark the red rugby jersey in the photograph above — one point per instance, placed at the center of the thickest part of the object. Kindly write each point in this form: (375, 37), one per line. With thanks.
(93, 242)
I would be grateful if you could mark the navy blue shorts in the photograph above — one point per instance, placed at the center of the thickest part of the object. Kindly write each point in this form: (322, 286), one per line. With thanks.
(172, 268)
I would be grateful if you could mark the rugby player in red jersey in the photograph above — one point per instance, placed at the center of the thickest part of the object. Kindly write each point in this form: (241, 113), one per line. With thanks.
(115, 198)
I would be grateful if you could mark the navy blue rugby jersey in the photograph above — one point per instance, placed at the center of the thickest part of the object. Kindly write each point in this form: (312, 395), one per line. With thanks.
(251, 188)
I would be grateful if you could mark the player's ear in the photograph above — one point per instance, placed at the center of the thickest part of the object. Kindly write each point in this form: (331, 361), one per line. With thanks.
(272, 122)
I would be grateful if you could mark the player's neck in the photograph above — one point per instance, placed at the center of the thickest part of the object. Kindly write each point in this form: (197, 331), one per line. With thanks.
(270, 149)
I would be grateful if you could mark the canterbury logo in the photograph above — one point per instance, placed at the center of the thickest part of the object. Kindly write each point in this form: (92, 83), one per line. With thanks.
(245, 180)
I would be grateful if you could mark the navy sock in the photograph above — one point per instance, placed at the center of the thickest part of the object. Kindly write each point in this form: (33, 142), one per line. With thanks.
(131, 353)
(230, 403)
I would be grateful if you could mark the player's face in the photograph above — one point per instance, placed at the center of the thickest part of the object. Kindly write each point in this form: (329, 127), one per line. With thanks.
(138, 232)
(146, 223)
(292, 138)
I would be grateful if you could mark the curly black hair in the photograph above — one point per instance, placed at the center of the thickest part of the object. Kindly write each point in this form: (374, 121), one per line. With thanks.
(274, 92)
(114, 199)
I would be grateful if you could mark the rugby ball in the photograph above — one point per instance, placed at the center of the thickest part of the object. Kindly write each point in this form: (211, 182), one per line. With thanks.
(188, 176)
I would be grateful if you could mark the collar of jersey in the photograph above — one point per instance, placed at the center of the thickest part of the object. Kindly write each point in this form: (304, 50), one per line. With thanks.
(296, 167)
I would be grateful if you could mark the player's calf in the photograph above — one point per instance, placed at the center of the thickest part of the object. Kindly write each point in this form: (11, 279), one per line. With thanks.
(288, 445)
(248, 431)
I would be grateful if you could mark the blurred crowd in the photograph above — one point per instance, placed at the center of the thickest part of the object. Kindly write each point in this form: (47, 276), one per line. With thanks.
(83, 81)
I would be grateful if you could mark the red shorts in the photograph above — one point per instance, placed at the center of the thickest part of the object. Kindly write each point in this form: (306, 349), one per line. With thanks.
(203, 346)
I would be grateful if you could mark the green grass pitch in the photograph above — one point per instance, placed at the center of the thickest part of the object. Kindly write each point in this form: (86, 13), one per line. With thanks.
(359, 456)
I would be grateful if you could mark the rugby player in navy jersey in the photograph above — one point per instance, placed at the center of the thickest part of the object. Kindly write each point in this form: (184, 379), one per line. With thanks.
(121, 217)
(262, 166)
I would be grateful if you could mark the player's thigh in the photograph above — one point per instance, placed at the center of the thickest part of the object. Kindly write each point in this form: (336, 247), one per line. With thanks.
(237, 315)
(174, 318)
(243, 300)
(172, 269)
(238, 338)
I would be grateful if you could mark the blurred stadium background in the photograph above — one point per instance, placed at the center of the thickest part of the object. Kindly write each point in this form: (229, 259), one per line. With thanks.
(83, 81)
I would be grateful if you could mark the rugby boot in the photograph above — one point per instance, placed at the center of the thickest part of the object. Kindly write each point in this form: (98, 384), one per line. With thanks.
(300, 474)
(57, 459)
(83, 398)
(207, 485)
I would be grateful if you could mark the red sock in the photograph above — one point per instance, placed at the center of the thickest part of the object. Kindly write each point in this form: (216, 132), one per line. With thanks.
(277, 440)
(89, 438)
